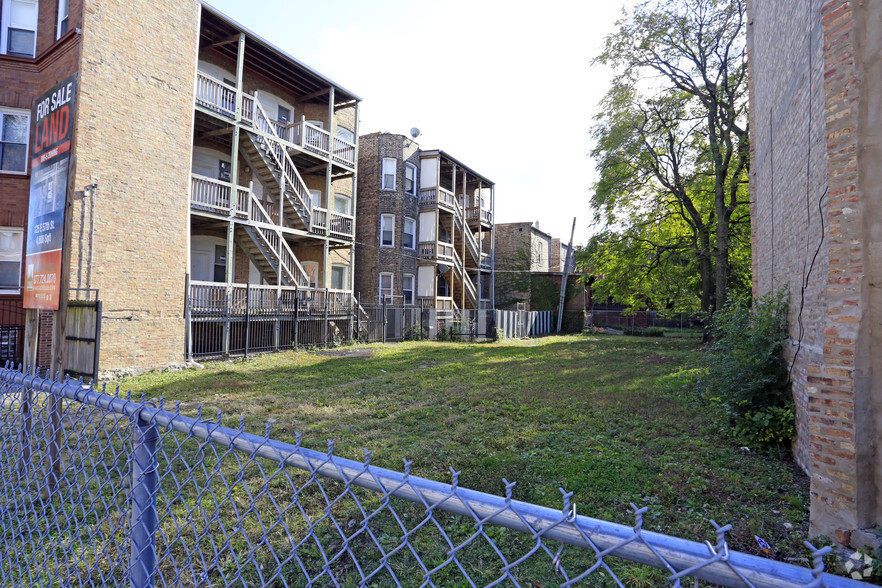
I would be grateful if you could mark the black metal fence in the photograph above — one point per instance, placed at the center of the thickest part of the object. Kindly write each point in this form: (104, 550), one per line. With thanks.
(12, 327)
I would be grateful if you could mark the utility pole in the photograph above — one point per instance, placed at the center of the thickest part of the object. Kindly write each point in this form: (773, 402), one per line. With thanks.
(563, 277)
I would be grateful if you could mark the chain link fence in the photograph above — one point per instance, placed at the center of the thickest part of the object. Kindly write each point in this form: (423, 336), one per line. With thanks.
(102, 490)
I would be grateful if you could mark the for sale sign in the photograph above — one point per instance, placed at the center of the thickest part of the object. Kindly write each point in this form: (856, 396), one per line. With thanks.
(53, 133)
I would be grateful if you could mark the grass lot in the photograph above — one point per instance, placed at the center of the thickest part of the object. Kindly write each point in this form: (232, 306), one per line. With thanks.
(613, 419)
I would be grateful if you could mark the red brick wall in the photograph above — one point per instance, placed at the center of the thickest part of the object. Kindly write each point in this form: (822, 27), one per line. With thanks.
(814, 188)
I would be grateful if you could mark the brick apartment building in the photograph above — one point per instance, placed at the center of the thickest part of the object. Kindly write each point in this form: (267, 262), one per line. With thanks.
(521, 248)
(816, 196)
(425, 229)
(216, 157)
(529, 264)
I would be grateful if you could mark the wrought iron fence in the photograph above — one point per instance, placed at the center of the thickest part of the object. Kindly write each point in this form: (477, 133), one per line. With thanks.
(104, 490)
(240, 319)
(12, 321)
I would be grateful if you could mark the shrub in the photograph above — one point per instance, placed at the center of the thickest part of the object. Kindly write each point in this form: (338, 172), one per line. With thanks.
(650, 332)
(746, 370)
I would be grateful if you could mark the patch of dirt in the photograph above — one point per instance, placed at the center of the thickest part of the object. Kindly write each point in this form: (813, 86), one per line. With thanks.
(346, 352)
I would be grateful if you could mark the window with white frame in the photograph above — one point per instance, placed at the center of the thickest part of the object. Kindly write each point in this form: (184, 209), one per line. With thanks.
(63, 13)
(386, 282)
(342, 204)
(18, 28)
(389, 167)
(387, 230)
(311, 269)
(14, 126)
(407, 287)
(410, 176)
(339, 277)
(284, 115)
(10, 260)
(408, 238)
(345, 134)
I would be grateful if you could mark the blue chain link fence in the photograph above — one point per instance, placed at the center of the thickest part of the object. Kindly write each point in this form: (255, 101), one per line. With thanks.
(103, 490)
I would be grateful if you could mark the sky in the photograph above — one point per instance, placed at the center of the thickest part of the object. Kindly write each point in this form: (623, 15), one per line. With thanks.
(509, 92)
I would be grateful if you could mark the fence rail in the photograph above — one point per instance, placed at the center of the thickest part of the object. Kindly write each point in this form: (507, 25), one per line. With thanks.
(97, 489)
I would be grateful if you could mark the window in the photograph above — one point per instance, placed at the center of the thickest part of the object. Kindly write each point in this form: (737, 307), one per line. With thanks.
(18, 32)
(316, 197)
(345, 134)
(387, 230)
(223, 172)
(386, 281)
(409, 238)
(14, 140)
(220, 263)
(407, 287)
(284, 115)
(342, 204)
(311, 269)
(10, 260)
(63, 12)
(339, 275)
(410, 175)
(443, 287)
(389, 173)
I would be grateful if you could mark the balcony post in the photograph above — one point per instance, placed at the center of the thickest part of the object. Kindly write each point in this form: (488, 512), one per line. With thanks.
(240, 73)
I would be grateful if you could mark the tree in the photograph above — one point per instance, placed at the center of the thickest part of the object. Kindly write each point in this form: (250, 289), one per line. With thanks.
(672, 152)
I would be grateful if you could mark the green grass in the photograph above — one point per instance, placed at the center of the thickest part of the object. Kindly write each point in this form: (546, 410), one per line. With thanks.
(615, 420)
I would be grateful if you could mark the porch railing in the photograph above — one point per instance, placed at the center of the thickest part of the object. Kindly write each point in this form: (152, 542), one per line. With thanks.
(342, 225)
(437, 197)
(479, 214)
(220, 97)
(211, 195)
(432, 250)
(309, 137)
(215, 95)
(344, 152)
(319, 220)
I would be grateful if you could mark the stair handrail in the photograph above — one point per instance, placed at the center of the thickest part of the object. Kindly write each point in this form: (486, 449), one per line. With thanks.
(471, 242)
(281, 158)
(288, 262)
(466, 279)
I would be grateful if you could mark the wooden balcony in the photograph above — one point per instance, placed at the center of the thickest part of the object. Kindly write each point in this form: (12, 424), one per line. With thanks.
(480, 216)
(333, 224)
(216, 299)
(213, 196)
(435, 251)
(432, 197)
(220, 98)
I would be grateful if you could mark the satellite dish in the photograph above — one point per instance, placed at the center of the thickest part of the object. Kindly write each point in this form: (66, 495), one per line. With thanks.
(414, 132)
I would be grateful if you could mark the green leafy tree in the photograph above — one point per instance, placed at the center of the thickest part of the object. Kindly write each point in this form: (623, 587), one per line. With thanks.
(672, 152)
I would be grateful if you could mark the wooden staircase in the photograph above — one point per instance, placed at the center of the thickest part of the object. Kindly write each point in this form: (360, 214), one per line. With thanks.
(268, 250)
(274, 167)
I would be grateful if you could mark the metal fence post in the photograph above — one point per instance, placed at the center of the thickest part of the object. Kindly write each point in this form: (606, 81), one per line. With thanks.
(296, 342)
(142, 557)
(385, 320)
(325, 327)
(247, 316)
(27, 423)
